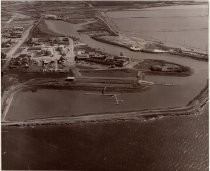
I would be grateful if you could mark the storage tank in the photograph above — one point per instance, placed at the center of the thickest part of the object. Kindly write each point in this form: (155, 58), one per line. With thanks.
(63, 53)
(156, 68)
(43, 51)
(49, 52)
(61, 48)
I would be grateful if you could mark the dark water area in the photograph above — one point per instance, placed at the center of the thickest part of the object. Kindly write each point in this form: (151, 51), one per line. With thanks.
(171, 143)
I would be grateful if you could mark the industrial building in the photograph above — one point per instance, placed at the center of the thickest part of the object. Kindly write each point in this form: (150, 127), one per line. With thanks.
(82, 57)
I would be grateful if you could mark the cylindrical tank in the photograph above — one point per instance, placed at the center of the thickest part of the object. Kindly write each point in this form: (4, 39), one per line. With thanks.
(63, 53)
(43, 51)
(156, 68)
(49, 52)
(61, 48)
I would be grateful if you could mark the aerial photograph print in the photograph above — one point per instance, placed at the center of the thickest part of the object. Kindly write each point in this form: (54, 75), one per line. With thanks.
(104, 85)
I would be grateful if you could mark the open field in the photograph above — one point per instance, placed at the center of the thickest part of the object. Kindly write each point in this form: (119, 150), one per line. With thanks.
(109, 73)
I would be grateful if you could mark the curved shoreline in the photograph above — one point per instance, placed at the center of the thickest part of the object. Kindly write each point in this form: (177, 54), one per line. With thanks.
(151, 46)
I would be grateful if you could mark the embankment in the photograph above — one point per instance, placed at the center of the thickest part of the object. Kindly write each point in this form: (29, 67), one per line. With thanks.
(116, 40)
(189, 53)
(151, 47)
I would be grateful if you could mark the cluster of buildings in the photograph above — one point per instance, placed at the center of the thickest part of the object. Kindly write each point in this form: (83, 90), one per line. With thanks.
(49, 54)
(6, 43)
(49, 47)
(49, 41)
(39, 51)
(22, 61)
(10, 35)
(100, 58)
(14, 32)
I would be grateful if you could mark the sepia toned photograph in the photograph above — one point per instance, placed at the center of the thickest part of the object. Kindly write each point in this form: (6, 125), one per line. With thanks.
(104, 85)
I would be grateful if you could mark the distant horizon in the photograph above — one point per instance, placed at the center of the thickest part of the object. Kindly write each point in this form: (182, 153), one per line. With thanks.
(114, 0)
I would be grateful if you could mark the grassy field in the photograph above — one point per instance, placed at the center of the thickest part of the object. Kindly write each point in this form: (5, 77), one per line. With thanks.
(109, 73)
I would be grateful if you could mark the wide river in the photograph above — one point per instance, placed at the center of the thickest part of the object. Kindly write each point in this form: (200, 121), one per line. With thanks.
(171, 143)
(177, 25)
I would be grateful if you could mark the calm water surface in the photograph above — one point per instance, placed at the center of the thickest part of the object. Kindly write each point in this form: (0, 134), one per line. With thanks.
(178, 25)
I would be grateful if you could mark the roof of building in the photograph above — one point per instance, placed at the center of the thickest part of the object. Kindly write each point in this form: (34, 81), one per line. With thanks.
(85, 55)
(70, 78)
